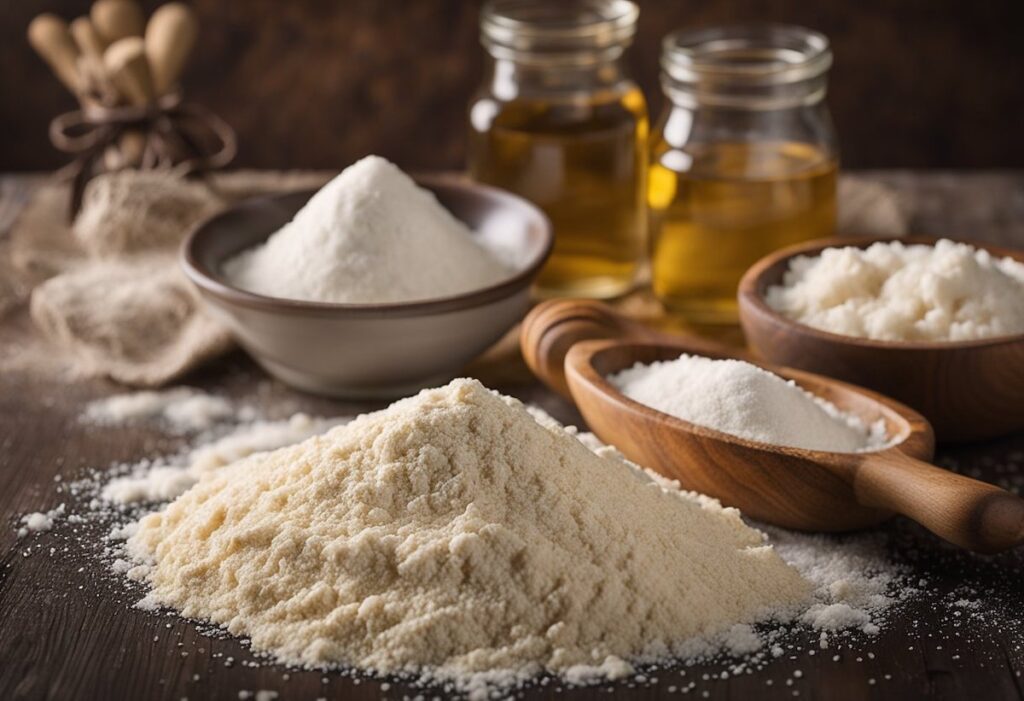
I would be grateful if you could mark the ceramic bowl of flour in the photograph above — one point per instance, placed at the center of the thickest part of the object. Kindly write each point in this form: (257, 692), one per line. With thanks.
(968, 389)
(372, 350)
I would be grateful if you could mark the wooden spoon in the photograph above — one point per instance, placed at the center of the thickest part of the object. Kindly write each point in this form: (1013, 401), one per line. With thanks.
(170, 36)
(87, 39)
(91, 48)
(117, 19)
(574, 345)
(125, 61)
(50, 37)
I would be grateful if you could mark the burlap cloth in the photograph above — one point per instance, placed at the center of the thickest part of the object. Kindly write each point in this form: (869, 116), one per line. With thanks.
(110, 300)
(107, 294)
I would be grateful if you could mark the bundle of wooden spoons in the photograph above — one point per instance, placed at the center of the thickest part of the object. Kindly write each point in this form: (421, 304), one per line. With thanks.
(114, 57)
(124, 71)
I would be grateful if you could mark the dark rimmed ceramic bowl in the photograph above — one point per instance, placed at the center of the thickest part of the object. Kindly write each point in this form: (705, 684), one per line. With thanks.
(370, 351)
(968, 390)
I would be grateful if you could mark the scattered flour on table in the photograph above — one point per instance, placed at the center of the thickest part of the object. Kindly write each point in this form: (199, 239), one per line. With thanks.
(741, 399)
(163, 480)
(371, 235)
(892, 291)
(40, 521)
(854, 584)
(455, 535)
(260, 695)
(182, 409)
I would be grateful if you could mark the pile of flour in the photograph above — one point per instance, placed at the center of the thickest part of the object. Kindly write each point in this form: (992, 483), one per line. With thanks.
(895, 292)
(455, 536)
(855, 587)
(741, 399)
(371, 235)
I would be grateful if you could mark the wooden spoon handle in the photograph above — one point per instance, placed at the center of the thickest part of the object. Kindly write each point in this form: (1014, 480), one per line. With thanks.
(94, 73)
(972, 514)
(50, 37)
(555, 326)
(170, 36)
(87, 39)
(117, 19)
(125, 61)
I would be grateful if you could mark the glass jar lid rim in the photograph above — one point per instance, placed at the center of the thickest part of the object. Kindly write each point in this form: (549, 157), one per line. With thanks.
(755, 52)
(505, 22)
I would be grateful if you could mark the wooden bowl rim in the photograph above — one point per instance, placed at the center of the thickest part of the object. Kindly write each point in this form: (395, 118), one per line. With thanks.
(216, 285)
(751, 297)
(919, 433)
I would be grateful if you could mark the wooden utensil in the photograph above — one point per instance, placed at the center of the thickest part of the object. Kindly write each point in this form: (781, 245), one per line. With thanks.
(117, 19)
(88, 41)
(170, 36)
(968, 390)
(50, 37)
(90, 60)
(573, 345)
(125, 61)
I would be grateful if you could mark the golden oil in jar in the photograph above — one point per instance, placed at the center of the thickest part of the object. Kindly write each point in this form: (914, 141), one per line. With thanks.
(584, 165)
(743, 162)
(720, 207)
(558, 122)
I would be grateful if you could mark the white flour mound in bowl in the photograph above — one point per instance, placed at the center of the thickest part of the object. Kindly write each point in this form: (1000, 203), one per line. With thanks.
(891, 291)
(741, 399)
(454, 536)
(371, 235)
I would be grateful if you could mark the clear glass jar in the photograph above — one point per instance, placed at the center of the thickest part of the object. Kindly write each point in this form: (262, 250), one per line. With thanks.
(743, 160)
(558, 121)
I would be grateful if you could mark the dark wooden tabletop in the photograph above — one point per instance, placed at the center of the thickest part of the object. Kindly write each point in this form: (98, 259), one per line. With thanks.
(67, 629)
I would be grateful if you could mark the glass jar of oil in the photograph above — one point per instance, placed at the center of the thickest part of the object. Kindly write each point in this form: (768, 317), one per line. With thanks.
(559, 122)
(743, 160)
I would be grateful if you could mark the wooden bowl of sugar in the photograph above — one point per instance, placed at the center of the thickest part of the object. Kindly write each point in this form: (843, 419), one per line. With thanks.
(968, 389)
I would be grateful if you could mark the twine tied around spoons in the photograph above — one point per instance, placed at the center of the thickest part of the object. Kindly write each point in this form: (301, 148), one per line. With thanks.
(183, 137)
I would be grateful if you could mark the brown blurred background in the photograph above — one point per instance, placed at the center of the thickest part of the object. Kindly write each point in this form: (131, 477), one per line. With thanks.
(916, 83)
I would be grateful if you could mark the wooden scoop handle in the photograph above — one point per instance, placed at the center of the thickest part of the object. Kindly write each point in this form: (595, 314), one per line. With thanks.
(555, 326)
(966, 512)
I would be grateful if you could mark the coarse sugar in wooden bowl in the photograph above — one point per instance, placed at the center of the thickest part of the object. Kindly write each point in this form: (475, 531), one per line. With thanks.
(968, 390)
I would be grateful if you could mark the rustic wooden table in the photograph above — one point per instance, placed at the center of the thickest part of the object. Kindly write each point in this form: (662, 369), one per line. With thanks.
(67, 629)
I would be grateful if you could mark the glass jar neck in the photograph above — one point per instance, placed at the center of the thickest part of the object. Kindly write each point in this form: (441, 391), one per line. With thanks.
(680, 126)
(507, 78)
(755, 68)
(564, 35)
